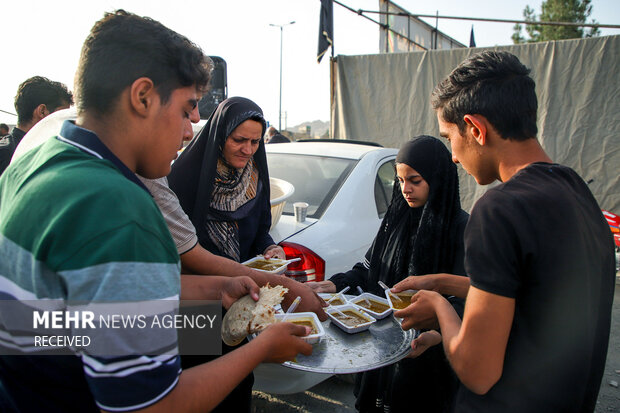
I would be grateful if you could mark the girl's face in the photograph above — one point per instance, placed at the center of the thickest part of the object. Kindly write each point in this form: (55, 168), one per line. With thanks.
(412, 185)
(242, 143)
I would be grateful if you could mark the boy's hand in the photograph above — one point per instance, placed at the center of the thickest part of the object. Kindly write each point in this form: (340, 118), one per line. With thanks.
(283, 342)
(447, 284)
(310, 301)
(417, 282)
(420, 314)
(236, 287)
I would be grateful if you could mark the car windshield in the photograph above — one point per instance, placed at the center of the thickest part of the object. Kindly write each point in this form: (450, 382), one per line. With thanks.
(316, 179)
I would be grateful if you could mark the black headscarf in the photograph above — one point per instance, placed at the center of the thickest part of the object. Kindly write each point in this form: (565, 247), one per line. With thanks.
(417, 241)
(193, 173)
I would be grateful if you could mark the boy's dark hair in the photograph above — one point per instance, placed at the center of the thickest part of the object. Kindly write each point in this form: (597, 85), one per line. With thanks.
(40, 90)
(4, 126)
(495, 85)
(123, 47)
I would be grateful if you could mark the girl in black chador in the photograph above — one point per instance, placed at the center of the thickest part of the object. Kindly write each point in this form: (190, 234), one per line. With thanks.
(421, 233)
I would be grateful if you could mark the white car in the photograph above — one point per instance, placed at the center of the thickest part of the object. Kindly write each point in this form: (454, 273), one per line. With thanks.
(348, 187)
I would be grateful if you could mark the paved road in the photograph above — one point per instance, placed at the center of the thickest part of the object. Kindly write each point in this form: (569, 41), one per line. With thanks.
(609, 396)
(336, 394)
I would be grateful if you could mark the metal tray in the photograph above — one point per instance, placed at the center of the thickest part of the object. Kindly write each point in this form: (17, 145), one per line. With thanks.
(382, 344)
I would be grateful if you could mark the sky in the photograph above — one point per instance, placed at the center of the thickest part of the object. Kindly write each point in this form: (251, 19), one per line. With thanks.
(45, 38)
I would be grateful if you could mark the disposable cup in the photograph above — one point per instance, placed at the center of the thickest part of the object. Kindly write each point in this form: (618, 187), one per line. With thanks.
(300, 208)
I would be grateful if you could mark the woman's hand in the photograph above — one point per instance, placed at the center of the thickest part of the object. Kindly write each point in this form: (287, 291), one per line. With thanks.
(274, 251)
(322, 286)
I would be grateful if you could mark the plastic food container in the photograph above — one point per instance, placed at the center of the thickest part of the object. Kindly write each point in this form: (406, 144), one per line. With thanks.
(375, 301)
(306, 319)
(405, 297)
(339, 299)
(357, 312)
(272, 265)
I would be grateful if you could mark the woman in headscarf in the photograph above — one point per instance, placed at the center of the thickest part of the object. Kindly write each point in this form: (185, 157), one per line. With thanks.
(421, 233)
(222, 183)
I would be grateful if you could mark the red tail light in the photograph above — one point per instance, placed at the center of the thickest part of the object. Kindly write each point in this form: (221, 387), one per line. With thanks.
(310, 268)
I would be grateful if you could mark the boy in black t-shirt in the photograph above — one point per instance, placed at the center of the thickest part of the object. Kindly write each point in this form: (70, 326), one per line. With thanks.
(538, 254)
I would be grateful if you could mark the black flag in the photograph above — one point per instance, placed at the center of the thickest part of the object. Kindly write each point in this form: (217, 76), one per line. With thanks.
(326, 28)
(472, 41)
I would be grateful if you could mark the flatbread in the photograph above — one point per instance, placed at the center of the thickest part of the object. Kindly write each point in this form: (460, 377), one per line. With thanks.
(247, 316)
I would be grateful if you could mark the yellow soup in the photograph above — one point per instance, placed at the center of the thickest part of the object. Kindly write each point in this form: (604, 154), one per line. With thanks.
(264, 265)
(405, 300)
(374, 306)
(306, 323)
(350, 318)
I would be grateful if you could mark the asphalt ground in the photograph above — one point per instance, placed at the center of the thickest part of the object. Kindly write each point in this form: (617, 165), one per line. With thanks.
(336, 393)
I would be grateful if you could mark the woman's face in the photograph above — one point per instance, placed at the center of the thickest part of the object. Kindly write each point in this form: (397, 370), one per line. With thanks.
(412, 185)
(242, 143)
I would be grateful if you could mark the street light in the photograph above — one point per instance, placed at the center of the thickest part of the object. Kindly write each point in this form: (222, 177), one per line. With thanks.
(281, 26)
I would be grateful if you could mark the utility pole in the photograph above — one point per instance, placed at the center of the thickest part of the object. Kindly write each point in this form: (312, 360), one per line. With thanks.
(281, 26)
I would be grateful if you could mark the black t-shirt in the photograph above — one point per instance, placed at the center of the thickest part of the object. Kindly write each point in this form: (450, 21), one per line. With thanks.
(541, 239)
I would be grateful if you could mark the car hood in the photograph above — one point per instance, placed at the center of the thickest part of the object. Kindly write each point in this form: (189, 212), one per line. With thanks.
(287, 227)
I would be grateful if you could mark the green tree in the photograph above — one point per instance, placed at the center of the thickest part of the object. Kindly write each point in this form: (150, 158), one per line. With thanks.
(569, 11)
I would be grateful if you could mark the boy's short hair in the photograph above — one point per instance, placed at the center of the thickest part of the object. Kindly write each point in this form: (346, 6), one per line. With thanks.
(495, 85)
(40, 90)
(123, 47)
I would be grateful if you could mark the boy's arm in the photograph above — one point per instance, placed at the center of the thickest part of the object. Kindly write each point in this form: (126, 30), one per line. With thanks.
(200, 261)
(476, 346)
(227, 289)
(446, 284)
(203, 387)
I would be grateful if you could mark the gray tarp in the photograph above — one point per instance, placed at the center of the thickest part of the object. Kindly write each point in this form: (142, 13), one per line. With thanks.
(386, 98)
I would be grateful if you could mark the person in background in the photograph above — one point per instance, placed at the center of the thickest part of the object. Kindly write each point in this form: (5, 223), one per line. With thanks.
(273, 136)
(76, 225)
(539, 255)
(4, 129)
(36, 98)
(421, 233)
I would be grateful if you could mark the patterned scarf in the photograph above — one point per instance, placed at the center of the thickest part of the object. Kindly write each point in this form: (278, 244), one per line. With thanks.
(232, 189)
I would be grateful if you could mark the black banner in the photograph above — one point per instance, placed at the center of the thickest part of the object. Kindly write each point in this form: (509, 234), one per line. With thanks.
(326, 28)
